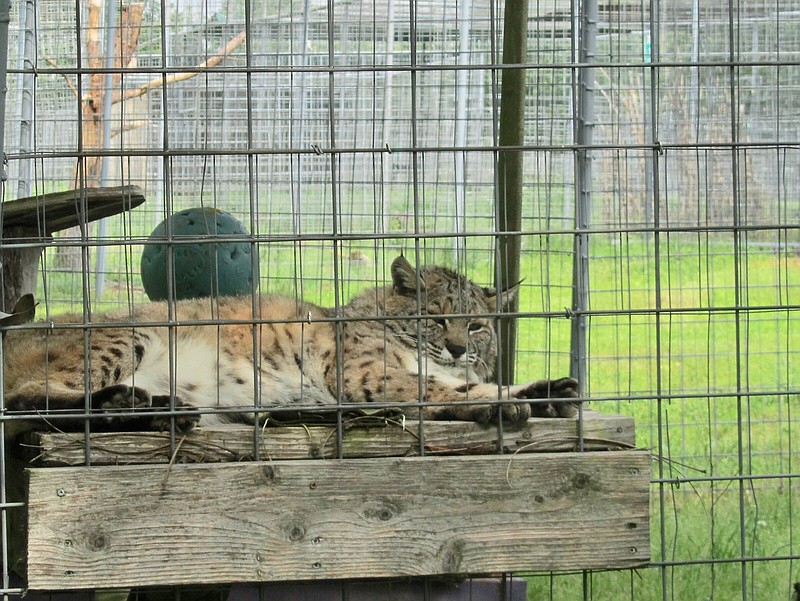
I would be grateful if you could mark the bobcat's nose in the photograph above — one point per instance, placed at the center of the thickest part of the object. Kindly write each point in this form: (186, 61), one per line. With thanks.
(456, 350)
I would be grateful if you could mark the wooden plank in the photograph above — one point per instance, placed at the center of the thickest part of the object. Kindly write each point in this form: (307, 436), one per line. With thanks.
(47, 213)
(120, 526)
(387, 439)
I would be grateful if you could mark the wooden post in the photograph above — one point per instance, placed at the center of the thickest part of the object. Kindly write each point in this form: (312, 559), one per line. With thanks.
(509, 173)
(19, 266)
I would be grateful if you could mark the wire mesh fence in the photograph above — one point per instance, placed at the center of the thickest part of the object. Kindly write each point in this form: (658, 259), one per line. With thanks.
(342, 134)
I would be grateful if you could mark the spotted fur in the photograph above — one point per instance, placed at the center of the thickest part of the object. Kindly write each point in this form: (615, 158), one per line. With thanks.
(427, 338)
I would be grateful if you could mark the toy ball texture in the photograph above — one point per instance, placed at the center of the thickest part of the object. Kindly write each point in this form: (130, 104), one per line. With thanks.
(202, 267)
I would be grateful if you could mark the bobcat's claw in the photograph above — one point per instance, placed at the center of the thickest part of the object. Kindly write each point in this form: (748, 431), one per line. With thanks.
(185, 421)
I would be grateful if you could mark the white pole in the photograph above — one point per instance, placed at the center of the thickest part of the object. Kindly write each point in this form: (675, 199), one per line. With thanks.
(111, 19)
(386, 165)
(462, 91)
(25, 84)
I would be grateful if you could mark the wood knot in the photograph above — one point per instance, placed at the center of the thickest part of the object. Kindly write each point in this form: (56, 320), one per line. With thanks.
(580, 480)
(296, 532)
(381, 510)
(451, 555)
(97, 541)
(268, 474)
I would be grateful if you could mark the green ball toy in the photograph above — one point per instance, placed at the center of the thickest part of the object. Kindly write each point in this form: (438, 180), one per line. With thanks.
(202, 267)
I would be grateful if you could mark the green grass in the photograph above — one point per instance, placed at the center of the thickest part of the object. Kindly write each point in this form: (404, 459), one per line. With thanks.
(698, 353)
(709, 356)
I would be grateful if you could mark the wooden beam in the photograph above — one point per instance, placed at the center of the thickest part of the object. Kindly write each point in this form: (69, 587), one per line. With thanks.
(93, 527)
(510, 175)
(391, 438)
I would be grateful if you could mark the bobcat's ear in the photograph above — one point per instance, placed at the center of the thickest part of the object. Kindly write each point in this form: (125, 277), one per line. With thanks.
(405, 277)
(507, 296)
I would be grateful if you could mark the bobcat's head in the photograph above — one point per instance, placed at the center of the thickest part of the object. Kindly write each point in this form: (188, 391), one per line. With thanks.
(457, 329)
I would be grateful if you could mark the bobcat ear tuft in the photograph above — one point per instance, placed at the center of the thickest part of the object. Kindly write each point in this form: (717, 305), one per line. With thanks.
(507, 296)
(405, 277)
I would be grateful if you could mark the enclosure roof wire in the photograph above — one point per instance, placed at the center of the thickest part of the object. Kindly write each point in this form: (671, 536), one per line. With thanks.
(30, 242)
(422, 67)
(722, 395)
(660, 147)
(519, 314)
(716, 561)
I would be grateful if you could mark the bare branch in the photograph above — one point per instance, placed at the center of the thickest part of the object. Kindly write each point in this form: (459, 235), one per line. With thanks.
(129, 125)
(71, 85)
(158, 82)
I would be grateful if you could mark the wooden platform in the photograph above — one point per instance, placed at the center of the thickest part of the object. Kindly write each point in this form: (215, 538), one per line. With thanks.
(292, 516)
(365, 437)
(28, 224)
(44, 214)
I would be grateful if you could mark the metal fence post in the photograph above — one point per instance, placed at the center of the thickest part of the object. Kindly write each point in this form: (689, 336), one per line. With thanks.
(583, 186)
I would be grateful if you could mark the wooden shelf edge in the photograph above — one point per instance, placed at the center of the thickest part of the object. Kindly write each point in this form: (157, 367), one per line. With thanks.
(385, 438)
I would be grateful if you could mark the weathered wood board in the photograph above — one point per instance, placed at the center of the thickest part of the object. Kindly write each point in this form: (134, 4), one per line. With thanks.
(120, 526)
(47, 213)
(29, 222)
(392, 438)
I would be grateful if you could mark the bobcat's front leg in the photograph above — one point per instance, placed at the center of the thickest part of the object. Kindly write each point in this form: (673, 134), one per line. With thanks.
(557, 400)
(134, 403)
(442, 398)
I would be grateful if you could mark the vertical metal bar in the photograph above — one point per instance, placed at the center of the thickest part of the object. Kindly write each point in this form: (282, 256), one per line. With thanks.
(167, 199)
(656, 213)
(739, 250)
(694, 96)
(297, 133)
(25, 83)
(511, 133)
(335, 229)
(111, 29)
(462, 91)
(5, 20)
(412, 73)
(584, 133)
(649, 193)
(253, 205)
(388, 92)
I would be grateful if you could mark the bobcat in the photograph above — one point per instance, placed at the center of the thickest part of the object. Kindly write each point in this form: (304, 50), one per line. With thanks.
(428, 336)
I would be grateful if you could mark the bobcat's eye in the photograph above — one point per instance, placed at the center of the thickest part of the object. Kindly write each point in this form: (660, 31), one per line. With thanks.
(475, 326)
(442, 323)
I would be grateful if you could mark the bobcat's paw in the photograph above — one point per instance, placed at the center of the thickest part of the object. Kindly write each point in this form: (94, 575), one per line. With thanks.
(127, 400)
(133, 407)
(186, 418)
(511, 412)
(555, 395)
